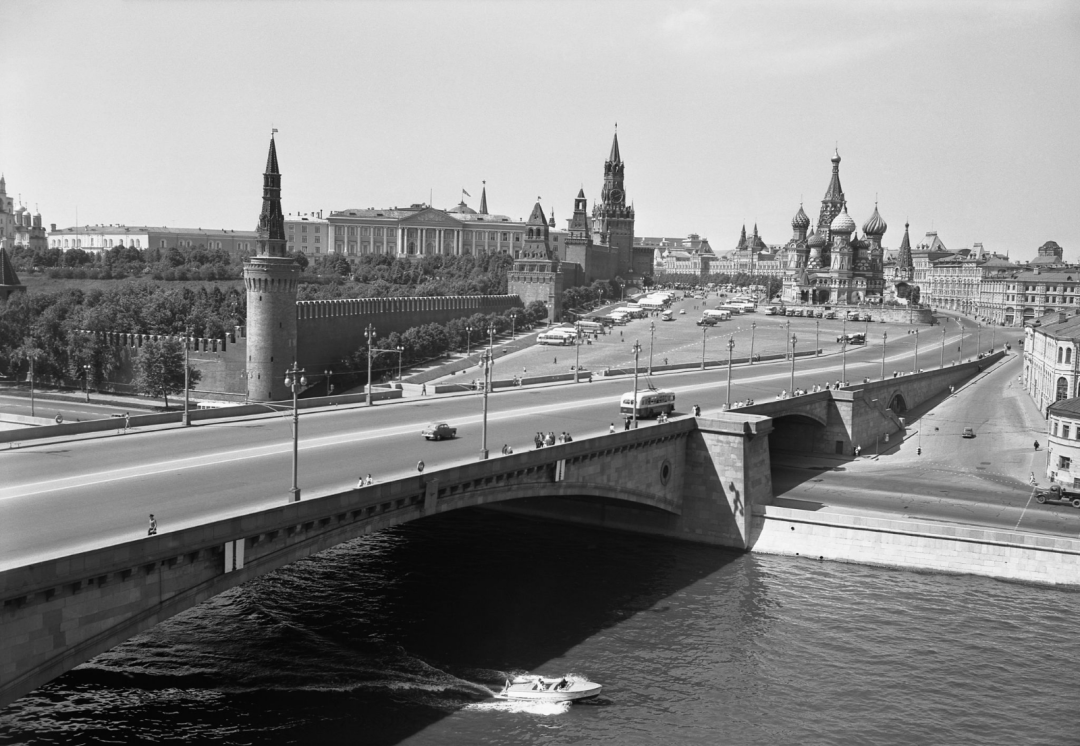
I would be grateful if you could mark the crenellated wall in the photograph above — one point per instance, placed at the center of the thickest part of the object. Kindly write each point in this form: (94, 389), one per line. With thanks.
(328, 330)
(219, 361)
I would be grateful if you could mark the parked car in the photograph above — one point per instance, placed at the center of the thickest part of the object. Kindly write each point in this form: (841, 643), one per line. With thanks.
(830, 314)
(438, 431)
(968, 433)
(707, 321)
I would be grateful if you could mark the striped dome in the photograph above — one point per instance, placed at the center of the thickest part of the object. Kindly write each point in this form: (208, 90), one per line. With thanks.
(800, 221)
(875, 226)
(843, 223)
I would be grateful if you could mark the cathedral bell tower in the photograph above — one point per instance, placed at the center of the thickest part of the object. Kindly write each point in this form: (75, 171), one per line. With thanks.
(271, 279)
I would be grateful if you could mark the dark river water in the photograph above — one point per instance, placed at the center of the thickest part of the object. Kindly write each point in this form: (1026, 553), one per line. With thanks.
(401, 638)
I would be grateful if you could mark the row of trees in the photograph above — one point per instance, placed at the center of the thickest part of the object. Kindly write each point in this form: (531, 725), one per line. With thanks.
(47, 326)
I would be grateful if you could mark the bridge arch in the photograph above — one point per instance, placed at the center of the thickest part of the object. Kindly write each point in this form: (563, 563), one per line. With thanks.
(796, 431)
(896, 403)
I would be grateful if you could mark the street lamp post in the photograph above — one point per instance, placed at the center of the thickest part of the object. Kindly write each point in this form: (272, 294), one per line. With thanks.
(577, 351)
(730, 350)
(187, 386)
(704, 329)
(817, 338)
(294, 380)
(942, 346)
(793, 340)
(32, 385)
(468, 341)
(884, 344)
(86, 381)
(961, 340)
(329, 386)
(637, 352)
(753, 329)
(978, 339)
(652, 336)
(843, 353)
(488, 361)
(400, 353)
(787, 333)
(370, 334)
(915, 360)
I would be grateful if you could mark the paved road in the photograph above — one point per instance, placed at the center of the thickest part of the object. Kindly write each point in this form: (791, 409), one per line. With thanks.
(983, 480)
(72, 410)
(61, 497)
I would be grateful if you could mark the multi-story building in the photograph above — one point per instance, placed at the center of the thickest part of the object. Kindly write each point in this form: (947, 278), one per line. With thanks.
(680, 256)
(1063, 442)
(421, 229)
(18, 228)
(1051, 359)
(98, 238)
(307, 233)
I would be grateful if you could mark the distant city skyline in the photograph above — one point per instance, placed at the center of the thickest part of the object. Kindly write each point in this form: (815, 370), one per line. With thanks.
(955, 117)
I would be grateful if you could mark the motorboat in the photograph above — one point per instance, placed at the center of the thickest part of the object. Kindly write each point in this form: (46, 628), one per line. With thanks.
(548, 689)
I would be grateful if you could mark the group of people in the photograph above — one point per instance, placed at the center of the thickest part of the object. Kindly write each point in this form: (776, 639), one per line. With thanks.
(551, 439)
(364, 481)
(506, 449)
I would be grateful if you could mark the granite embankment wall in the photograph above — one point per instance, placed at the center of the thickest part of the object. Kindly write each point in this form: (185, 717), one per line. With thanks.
(917, 545)
(328, 330)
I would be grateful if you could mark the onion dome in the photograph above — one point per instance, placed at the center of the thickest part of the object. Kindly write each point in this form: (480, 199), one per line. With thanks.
(875, 226)
(800, 222)
(843, 223)
(815, 240)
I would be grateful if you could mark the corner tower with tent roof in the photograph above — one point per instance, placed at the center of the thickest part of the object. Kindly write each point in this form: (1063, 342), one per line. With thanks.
(537, 273)
(271, 279)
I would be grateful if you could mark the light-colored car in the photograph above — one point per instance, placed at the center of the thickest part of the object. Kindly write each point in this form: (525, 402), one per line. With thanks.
(438, 431)
(968, 433)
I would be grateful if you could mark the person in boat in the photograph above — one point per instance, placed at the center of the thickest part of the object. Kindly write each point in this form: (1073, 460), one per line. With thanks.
(564, 684)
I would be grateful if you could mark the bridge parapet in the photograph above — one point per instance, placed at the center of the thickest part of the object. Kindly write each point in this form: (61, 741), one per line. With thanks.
(691, 478)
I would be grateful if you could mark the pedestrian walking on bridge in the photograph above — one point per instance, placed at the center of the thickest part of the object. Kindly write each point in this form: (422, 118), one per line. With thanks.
(152, 531)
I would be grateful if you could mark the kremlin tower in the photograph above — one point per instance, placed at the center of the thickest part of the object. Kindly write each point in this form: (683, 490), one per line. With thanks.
(271, 279)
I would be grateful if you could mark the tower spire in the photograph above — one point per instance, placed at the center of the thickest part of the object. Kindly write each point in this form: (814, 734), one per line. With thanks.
(614, 157)
(483, 199)
(271, 227)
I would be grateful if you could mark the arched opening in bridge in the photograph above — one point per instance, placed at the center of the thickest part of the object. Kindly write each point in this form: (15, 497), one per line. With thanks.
(897, 404)
(796, 432)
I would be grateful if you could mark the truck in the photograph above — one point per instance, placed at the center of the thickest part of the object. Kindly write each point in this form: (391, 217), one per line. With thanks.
(1059, 495)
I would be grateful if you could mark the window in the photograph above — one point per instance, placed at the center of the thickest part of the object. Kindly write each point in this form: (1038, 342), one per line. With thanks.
(378, 232)
(303, 229)
(352, 247)
(316, 229)
(365, 231)
(317, 238)
(352, 231)
(1064, 462)
(1055, 429)
(1065, 431)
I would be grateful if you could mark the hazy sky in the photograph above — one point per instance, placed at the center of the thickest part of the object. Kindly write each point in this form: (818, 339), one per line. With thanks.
(958, 116)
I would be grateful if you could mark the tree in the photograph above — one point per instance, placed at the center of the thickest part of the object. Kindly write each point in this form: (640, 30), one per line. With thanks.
(159, 369)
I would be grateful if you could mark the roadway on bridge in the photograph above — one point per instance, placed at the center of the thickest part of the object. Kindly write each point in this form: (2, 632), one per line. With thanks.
(61, 497)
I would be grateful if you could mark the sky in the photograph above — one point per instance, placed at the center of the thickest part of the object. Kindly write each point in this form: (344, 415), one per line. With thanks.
(959, 117)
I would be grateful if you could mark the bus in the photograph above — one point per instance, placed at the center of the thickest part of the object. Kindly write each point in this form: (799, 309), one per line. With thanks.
(561, 336)
(650, 403)
(718, 314)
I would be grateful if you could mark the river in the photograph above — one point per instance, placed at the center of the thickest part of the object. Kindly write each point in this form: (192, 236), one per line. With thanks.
(400, 638)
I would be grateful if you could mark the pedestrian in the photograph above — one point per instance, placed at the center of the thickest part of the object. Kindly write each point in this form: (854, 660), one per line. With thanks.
(665, 361)
(1032, 480)
(568, 439)
(550, 439)
(556, 361)
(360, 482)
(127, 421)
(420, 466)
(152, 531)
(611, 428)
(423, 389)
(858, 450)
(626, 424)
(697, 411)
(1036, 445)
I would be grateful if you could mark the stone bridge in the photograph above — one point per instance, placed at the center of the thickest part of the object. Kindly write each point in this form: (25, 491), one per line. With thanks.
(691, 478)
(837, 421)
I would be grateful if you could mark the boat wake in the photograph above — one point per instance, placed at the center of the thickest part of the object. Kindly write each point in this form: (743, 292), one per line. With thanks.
(521, 706)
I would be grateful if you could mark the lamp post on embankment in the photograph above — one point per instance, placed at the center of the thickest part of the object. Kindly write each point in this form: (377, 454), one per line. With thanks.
(704, 329)
(488, 361)
(792, 387)
(637, 352)
(884, 344)
(730, 350)
(915, 360)
(753, 328)
(294, 380)
(942, 346)
(652, 338)
(577, 351)
(370, 335)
